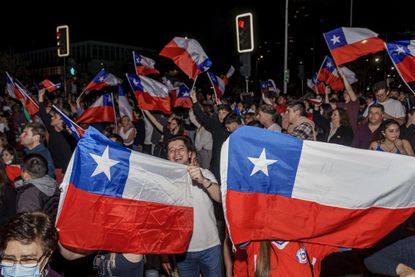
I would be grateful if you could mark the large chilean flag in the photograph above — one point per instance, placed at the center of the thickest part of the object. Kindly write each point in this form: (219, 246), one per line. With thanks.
(348, 44)
(277, 187)
(124, 201)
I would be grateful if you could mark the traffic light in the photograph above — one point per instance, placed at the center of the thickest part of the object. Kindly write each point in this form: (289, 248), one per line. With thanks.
(72, 71)
(62, 40)
(244, 33)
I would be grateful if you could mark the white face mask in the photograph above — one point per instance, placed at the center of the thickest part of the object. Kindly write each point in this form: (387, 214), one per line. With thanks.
(8, 162)
(2, 127)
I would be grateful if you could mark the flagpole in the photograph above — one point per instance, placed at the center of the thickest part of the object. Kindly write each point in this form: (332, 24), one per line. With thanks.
(62, 113)
(214, 89)
(194, 83)
(115, 114)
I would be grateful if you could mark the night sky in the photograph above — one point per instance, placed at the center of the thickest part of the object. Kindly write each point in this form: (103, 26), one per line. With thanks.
(152, 24)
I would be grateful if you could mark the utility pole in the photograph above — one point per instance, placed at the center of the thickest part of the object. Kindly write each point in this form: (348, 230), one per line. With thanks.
(286, 71)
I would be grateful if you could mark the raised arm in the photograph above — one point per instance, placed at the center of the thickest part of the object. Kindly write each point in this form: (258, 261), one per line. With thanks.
(347, 86)
(154, 121)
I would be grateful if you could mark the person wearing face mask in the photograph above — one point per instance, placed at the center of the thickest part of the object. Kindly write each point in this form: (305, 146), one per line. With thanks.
(27, 243)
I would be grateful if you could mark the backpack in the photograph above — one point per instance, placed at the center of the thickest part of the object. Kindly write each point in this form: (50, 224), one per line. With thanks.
(50, 204)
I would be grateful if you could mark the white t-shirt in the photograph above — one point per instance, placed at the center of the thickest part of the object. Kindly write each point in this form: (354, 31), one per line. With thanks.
(392, 107)
(205, 232)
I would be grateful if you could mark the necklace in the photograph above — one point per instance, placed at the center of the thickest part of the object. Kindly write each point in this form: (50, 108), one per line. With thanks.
(389, 149)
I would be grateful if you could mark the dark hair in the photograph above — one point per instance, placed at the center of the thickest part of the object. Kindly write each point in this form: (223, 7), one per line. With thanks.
(378, 86)
(186, 140)
(35, 165)
(379, 134)
(344, 117)
(377, 105)
(117, 138)
(225, 107)
(37, 129)
(30, 227)
(231, 118)
(13, 152)
(298, 106)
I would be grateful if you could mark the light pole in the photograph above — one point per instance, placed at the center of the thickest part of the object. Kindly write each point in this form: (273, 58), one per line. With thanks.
(286, 49)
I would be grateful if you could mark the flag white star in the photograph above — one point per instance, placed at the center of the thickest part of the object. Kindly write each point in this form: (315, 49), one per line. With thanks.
(400, 50)
(101, 79)
(261, 163)
(135, 82)
(329, 64)
(104, 164)
(335, 39)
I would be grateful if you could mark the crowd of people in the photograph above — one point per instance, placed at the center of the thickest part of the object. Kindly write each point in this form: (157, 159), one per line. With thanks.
(35, 156)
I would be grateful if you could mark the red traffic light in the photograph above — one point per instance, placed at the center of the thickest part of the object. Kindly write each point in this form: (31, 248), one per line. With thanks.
(244, 33)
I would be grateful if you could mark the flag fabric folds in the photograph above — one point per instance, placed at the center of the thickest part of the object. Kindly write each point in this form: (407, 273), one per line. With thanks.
(229, 74)
(123, 105)
(277, 187)
(101, 80)
(124, 201)
(218, 85)
(10, 86)
(76, 131)
(23, 95)
(49, 86)
(101, 111)
(144, 65)
(268, 85)
(314, 84)
(348, 44)
(150, 94)
(188, 55)
(329, 75)
(402, 54)
(180, 97)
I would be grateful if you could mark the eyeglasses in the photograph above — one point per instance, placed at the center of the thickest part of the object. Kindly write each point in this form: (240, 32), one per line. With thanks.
(25, 262)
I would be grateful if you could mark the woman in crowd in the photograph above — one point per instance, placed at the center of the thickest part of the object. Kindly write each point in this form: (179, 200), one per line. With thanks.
(340, 130)
(127, 131)
(387, 139)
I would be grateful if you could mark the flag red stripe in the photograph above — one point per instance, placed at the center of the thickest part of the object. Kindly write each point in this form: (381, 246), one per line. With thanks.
(181, 58)
(96, 222)
(274, 217)
(351, 52)
(145, 70)
(152, 103)
(407, 68)
(97, 114)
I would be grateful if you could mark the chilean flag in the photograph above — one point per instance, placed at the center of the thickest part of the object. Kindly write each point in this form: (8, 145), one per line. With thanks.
(348, 44)
(101, 80)
(144, 65)
(277, 187)
(218, 85)
(402, 54)
(317, 86)
(76, 131)
(188, 55)
(49, 86)
(101, 111)
(150, 94)
(10, 86)
(124, 201)
(268, 85)
(329, 75)
(124, 106)
(23, 94)
(180, 97)
(229, 74)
